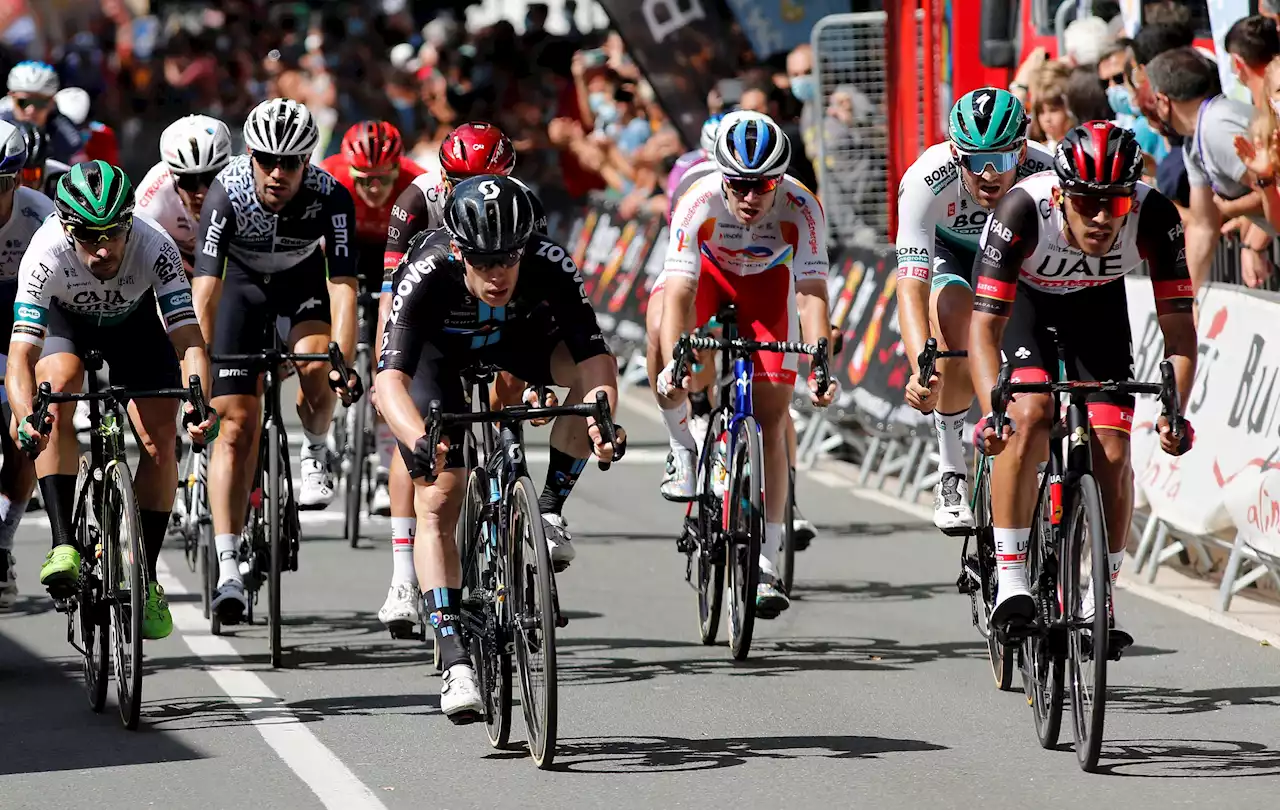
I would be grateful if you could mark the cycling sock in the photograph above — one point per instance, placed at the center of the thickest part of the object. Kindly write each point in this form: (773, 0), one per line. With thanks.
(402, 531)
(59, 492)
(440, 605)
(1011, 557)
(949, 428)
(1116, 558)
(772, 545)
(562, 473)
(226, 546)
(700, 403)
(677, 420)
(386, 441)
(11, 513)
(315, 441)
(154, 525)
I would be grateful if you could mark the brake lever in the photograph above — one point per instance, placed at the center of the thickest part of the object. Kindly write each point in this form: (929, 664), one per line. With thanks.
(199, 408)
(927, 361)
(1169, 399)
(604, 421)
(821, 368)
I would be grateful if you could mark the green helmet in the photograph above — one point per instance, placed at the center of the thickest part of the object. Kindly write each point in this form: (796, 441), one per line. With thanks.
(987, 120)
(94, 194)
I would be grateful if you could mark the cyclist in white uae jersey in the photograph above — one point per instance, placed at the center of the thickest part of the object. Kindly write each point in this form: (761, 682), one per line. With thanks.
(751, 235)
(21, 212)
(95, 276)
(944, 199)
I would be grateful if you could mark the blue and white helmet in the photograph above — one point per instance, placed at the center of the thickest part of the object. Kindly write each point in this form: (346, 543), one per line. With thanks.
(751, 144)
(33, 77)
(709, 129)
(13, 149)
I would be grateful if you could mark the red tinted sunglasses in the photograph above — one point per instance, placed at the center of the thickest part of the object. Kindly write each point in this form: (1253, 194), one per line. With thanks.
(742, 186)
(1088, 206)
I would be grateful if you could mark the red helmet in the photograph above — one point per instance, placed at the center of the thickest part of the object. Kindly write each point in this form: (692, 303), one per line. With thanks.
(1099, 158)
(476, 148)
(372, 145)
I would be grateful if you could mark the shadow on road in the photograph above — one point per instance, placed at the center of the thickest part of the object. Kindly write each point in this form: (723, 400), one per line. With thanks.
(854, 591)
(862, 529)
(1162, 700)
(1188, 758)
(611, 755)
(29, 605)
(195, 713)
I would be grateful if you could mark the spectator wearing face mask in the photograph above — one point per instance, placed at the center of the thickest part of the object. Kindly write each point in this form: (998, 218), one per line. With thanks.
(1252, 43)
(1114, 67)
(804, 86)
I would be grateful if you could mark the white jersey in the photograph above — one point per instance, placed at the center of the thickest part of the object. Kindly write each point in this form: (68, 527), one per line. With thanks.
(934, 204)
(792, 233)
(52, 275)
(157, 197)
(30, 209)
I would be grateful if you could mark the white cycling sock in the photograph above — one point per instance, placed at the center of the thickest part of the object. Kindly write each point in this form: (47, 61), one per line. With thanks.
(677, 421)
(403, 530)
(386, 441)
(228, 565)
(315, 441)
(1011, 558)
(949, 428)
(11, 513)
(771, 548)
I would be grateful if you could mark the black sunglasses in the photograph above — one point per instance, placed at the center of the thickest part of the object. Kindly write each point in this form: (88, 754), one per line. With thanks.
(194, 182)
(27, 102)
(269, 162)
(484, 261)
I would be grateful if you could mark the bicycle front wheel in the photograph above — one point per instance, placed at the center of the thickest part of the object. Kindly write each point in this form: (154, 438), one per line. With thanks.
(710, 557)
(1043, 664)
(787, 557)
(274, 496)
(745, 510)
(483, 612)
(1090, 598)
(1000, 656)
(533, 621)
(122, 544)
(92, 611)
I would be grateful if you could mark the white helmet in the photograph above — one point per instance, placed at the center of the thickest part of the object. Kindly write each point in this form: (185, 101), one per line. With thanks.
(195, 144)
(281, 126)
(73, 103)
(33, 77)
(709, 129)
(751, 144)
(13, 149)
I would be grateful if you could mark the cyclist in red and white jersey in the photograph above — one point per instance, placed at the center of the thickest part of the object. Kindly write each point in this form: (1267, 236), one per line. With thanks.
(1053, 257)
(752, 235)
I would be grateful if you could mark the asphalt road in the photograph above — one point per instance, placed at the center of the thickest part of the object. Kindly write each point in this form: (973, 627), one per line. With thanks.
(873, 689)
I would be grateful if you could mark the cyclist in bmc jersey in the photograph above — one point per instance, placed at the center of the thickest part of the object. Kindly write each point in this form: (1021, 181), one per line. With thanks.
(261, 231)
(943, 201)
(481, 289)
(21, 213)
(193, 150)
(96, 276)
(469, 150)
(1054, 257)
(751, 235)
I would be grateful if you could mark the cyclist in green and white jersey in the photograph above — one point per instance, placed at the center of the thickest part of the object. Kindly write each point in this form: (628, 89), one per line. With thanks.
(944, 200)
(92, 278)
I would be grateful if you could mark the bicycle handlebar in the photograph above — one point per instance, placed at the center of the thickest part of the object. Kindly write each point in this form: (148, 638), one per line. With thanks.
(688, 344)
(928, 359)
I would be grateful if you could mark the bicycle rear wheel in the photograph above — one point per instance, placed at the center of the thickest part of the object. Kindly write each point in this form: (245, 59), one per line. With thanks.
(533, 621)
(122, 544)
(710, 526)
(1043, 665)
(787, 558)
(1000, 656)
(745, 509)
(273, 496)
(88, 622)
(1090, 572)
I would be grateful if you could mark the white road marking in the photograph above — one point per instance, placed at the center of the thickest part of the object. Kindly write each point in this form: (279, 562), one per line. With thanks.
(320, 770)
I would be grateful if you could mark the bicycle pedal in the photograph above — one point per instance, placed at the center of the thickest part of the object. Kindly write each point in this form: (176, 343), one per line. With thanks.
(64, 605)
(561, 620)
(964, 583)
(559, 567)
(402, 629)
(465, 718)
(957, 531)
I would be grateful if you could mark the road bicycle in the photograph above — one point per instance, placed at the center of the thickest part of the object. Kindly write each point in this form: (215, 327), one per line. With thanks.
(105, 606)
(509, 601)
(724, 528)
(271, 534)
(1067, 645)
(354, 426)
(196, 525)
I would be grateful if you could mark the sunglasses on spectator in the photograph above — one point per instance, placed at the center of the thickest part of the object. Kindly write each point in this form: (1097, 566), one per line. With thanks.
(92, 237)
(485, 261)
(369, 178)
(977, 162)
(742, 186)
(191, 183)
(1088, 206)
(269, 162)
(26, 102)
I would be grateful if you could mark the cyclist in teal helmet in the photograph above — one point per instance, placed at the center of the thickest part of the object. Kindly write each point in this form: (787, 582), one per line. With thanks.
(944, 202)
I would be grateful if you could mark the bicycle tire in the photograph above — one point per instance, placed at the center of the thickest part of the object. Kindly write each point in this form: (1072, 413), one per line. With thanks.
(122, 544)
(533, 610)
(489, 657)
(998, 655)
(1043, 665)
(745, 508)
(190, 532)
(787, 557)
(272, 497)
(1088, 721)
(357, 441)
(709, 524)
(94, 633)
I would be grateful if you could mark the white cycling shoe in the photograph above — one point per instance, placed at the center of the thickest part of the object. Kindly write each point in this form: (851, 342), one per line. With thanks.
(381, 503)
(1014, 605)
(230, 602)
(460, 695)
(317, 482)
(678, 482)
(559, 541)
(399, 614)
(951, 503)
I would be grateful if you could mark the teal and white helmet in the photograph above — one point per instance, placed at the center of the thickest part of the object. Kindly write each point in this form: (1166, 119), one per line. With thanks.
(987, 120)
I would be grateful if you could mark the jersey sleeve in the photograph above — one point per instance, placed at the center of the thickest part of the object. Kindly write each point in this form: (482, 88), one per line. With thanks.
(408, 216)
(169, 280)
(409, 321)
(811, 249)
(1010, 235)
(691, 219)
(217, 227)
(567, 297)
(340, 233)
(37, 278)
(916, 227)
(1162, 243)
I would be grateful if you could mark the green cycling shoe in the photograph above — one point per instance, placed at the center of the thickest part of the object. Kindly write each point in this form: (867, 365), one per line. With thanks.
(61, 569)
(157, 622)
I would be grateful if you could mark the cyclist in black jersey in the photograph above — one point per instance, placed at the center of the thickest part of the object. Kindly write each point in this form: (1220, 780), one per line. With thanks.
(484, 288)
(260, 258)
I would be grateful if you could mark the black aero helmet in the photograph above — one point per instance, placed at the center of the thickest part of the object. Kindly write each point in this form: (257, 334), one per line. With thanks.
(37, 144)
(1098, 158)
(488, 213)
